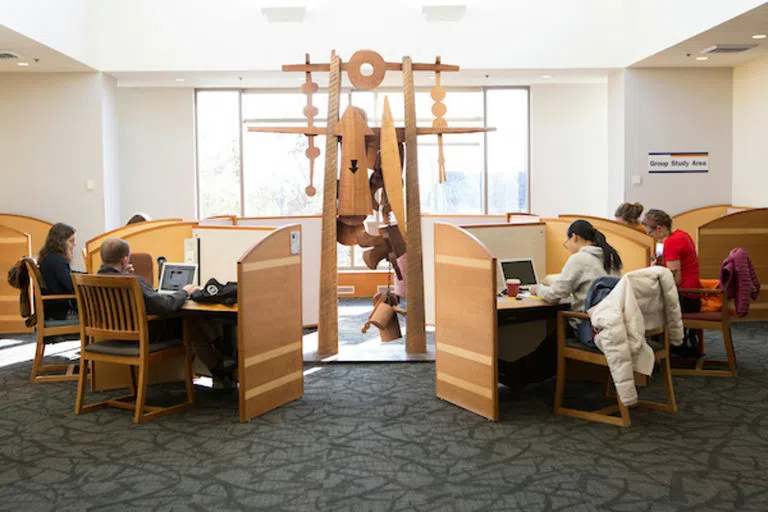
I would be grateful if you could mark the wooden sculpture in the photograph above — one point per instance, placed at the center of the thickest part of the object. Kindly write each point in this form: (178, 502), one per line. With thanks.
(355, 192)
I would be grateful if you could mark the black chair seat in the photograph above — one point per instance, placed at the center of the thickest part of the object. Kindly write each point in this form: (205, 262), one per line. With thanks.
(129, 347)
(71, 319)
(655, 345)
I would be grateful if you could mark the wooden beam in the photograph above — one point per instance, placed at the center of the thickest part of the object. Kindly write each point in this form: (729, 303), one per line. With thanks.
(389, 66)
(415, 336)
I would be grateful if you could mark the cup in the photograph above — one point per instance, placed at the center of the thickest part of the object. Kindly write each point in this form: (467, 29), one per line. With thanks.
(513, 287)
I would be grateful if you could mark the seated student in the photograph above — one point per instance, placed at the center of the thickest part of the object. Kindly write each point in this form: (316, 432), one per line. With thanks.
(679, 256)
(591, 257)
(629, 214)
(138, 217)
(116, 256)
(54, 261)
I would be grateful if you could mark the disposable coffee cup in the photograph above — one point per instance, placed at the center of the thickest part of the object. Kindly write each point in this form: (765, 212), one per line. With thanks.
(513, 287)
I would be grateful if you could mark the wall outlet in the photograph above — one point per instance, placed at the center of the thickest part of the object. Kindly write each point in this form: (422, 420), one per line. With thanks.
(295, 242)
(637, 180)
(90, 185)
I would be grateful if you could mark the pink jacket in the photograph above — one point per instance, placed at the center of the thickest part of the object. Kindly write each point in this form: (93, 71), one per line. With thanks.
(739, 280)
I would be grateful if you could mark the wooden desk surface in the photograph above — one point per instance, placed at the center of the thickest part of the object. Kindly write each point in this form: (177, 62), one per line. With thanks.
(505, 303)
(191, 305)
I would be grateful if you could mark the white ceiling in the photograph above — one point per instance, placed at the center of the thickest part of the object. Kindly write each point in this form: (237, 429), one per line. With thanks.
(738, 30)
(40, 57)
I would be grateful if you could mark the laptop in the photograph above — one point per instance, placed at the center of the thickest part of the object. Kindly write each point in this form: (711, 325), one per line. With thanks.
(176, 276)
(522, 269)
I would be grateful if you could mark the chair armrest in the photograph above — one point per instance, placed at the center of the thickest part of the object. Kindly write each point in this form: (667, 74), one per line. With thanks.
(574, 314)
(701, 291)
(59, 297)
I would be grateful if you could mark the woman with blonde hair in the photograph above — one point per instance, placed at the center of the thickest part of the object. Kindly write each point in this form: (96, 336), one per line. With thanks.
(629, 214)
(55, 258)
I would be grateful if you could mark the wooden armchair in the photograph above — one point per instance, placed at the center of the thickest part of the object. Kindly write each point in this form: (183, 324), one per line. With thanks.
(577, 351)
(715, 321)
(114, 329)
(46, 329)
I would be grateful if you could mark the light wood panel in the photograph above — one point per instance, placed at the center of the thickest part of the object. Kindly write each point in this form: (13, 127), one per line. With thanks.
(92, 256)
(270, 325)
(219, 220)
(14, 245)
(691, 220)
(634, 255)
(607, 225)
(511, 241)
(465, 313)
(37, 229)
(164, 240)
(747, 229)
(521, 217)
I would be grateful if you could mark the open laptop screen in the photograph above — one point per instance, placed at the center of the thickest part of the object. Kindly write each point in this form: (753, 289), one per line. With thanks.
(519, 269)
(176, 276)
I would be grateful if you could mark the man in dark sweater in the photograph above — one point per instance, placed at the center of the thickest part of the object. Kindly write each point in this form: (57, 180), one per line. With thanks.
(115, 257)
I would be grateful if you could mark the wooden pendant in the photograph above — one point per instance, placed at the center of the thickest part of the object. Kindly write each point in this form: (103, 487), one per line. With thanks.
(354, 191)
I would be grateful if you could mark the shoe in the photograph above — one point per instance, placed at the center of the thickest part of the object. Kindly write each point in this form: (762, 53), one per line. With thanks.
(223, 384)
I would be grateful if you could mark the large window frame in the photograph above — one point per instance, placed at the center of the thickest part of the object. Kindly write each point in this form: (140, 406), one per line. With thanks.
(347, 94)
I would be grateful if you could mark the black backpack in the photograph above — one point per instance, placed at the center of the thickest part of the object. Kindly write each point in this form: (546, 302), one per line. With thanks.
(216, 293)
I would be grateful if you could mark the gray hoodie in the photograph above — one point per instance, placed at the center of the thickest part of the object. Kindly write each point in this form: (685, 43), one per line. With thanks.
(577, 275)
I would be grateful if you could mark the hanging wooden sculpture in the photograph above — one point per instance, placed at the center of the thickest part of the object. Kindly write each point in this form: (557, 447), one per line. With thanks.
(349, 193)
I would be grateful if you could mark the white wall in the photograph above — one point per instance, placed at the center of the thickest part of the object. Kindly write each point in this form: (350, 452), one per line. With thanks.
(109, 138)
(569, 149)
(50, 145)
(750, 150)
(157, 152)
(678, 110)
(616, 143)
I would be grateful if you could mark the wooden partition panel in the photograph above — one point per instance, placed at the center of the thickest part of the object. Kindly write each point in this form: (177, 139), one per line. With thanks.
(92, 256)
(521, 217)
(428, 250)
(466, 334)
(311, 234)
(37, 229)
(164, 240)
(513, 241)
(269, 324)
(219, 220)
(690, 221)
(634, 255)
(747, 229)
(14, 245)
(607, 225)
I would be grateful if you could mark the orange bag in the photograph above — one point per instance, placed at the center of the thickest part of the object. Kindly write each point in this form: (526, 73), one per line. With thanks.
(711, 302)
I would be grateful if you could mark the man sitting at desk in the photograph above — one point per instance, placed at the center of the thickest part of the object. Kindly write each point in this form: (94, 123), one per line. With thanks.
(115, 257)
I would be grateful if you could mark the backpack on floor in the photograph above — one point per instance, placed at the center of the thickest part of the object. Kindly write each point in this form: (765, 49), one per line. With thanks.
(216, 293)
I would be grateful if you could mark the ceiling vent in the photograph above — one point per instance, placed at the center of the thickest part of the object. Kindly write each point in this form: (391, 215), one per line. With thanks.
(284, 14)
(7, 55)
(728, 48)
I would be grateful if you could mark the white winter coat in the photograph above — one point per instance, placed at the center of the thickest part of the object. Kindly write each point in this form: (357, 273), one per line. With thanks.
(621, 319)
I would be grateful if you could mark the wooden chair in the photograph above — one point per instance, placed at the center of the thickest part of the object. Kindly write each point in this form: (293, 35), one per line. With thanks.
(45, 329)
(114, 329)
(142, 266)
(715, 321)
(580, 352)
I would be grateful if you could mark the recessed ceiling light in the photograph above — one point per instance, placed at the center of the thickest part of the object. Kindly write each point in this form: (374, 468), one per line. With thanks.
(759, 36)
(279, 14)
(179, 79)
(438, 13)
(24, 64)
(546, 76)
(702, 58)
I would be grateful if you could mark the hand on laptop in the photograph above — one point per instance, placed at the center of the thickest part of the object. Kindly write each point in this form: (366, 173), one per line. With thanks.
(191, 288)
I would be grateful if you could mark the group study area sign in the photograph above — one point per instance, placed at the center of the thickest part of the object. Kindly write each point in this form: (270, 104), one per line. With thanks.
(675, 163)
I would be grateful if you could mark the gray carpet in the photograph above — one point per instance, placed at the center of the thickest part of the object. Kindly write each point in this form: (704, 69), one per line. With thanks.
(374, 437)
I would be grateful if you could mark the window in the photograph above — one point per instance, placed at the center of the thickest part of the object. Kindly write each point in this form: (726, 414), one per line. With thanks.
(266, 174)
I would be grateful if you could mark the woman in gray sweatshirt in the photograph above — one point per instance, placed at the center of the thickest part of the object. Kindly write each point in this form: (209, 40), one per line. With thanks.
(591, 257)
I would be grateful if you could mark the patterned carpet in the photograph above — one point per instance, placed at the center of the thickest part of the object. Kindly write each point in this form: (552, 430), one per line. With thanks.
(374, 437)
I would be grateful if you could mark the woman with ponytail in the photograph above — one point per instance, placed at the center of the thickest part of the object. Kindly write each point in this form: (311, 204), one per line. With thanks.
(629, 214)
(591, 257)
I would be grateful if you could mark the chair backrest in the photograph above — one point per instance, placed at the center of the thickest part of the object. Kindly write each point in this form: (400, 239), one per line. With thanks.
(142, 266)
(36, 280)
(111, 307)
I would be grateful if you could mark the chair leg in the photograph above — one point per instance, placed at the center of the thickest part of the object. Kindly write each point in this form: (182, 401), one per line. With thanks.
(666, 373)
(81, 385)
(37, 362)
(141, 392)
(623, 412)
(729, 349)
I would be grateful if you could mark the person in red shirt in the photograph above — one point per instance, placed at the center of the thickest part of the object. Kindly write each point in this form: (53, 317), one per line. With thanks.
(679, 255)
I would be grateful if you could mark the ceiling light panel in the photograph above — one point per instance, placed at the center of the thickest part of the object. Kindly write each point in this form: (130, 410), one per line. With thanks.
(284, 14)
(442, 13)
